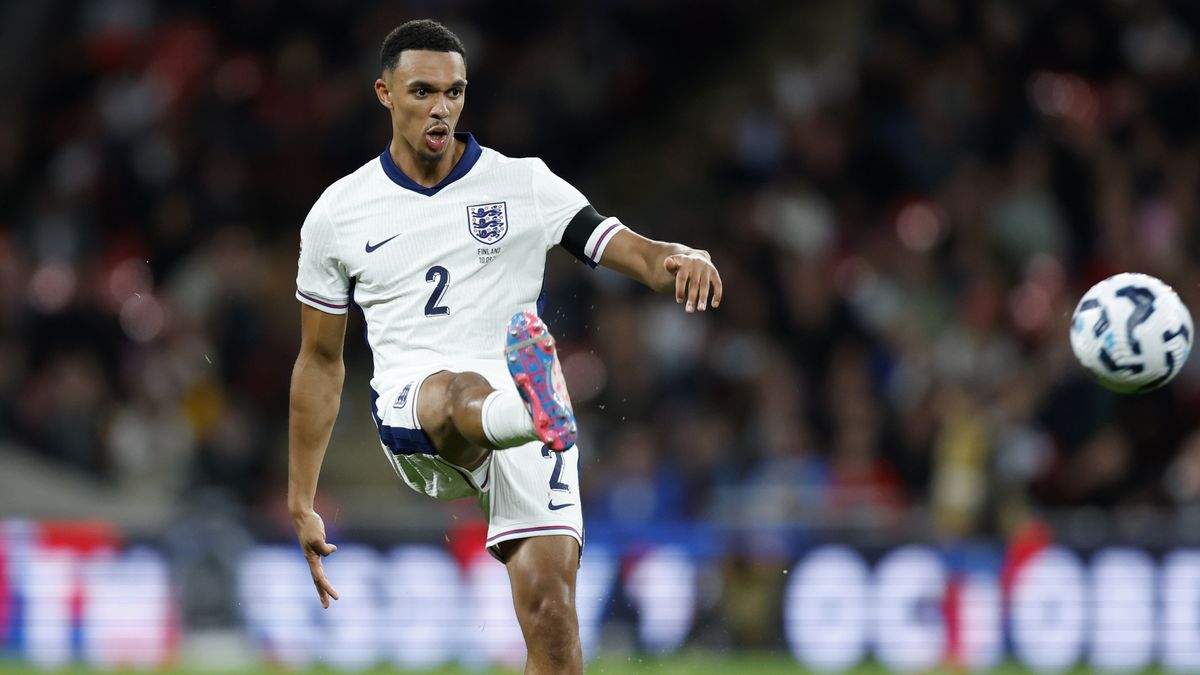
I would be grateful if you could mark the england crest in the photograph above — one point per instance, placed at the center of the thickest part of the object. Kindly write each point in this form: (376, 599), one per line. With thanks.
(488, 223)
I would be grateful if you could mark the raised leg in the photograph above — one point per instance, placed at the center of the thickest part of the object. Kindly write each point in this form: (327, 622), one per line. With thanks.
(454, 410)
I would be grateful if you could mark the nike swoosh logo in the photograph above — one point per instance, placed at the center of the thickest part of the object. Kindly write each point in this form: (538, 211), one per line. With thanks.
(555, 507)
(371, 247)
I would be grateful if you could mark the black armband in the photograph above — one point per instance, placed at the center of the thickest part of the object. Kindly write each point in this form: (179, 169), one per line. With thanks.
(584, 237)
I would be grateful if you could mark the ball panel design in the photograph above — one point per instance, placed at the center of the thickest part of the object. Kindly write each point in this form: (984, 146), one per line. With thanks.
(1131, 332)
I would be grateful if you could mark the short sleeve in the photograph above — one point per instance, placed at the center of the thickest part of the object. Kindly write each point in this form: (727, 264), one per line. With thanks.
(569, 219)
(321, 280)
(558, 201)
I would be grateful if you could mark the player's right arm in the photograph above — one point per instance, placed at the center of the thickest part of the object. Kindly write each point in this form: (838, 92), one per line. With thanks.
(323, 290)
(315, 396)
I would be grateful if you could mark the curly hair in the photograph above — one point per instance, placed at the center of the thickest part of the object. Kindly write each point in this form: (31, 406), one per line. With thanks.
(420, 34)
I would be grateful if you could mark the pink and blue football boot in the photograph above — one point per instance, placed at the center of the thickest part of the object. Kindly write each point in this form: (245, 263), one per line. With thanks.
(533, 364)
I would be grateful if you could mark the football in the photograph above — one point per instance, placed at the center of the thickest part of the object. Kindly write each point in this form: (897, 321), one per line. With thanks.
(1131, 332)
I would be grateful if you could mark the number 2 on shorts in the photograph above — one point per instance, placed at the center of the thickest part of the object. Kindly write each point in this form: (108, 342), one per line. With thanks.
(555, 483)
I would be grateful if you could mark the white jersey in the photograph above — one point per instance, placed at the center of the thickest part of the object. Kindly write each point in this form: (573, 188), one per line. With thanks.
(438, 272)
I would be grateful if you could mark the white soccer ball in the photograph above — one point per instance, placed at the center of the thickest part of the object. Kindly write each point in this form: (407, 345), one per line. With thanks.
(1132, 332)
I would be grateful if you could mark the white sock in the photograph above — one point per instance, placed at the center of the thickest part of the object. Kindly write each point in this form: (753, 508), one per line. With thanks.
(506, 421)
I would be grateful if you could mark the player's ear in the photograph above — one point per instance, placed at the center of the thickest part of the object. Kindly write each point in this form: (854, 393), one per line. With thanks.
(382, 92)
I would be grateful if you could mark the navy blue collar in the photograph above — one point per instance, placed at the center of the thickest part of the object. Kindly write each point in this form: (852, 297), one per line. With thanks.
(464, 165)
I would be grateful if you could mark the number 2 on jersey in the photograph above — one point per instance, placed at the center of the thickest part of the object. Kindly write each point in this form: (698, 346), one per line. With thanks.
(442, 276)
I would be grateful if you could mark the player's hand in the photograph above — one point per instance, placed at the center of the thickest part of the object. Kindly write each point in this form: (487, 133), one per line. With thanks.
(695, 279)
(310, 530)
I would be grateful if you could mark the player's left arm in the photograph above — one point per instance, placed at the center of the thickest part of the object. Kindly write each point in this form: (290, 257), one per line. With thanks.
(574, 224)
(664, 266)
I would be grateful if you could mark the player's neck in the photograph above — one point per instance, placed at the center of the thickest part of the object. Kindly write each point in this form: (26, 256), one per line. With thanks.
(426, 174)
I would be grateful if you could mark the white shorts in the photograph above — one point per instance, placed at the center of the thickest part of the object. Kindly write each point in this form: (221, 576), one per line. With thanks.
(526, 491)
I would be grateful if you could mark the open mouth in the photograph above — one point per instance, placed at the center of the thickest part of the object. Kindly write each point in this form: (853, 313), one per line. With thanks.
(437, 137)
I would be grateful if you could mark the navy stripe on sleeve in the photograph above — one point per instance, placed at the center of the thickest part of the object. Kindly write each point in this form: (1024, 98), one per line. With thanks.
(579, 230)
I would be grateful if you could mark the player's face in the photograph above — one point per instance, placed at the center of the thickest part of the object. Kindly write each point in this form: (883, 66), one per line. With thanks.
(426, 91)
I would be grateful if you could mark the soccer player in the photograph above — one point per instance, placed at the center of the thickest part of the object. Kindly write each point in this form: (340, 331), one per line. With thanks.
(443, 244)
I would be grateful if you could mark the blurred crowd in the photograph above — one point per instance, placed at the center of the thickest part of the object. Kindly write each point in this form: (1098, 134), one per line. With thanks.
(905, 200)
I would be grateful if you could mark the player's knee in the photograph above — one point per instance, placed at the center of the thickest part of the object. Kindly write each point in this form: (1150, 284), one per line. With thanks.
(445, 398)
(464, 385)
(464, 395)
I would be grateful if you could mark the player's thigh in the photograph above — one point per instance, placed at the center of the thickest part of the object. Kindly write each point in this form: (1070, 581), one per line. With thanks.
(412, 452)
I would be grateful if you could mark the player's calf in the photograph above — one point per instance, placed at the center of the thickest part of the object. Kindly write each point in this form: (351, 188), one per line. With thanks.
(543, 572)
(551, 632)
